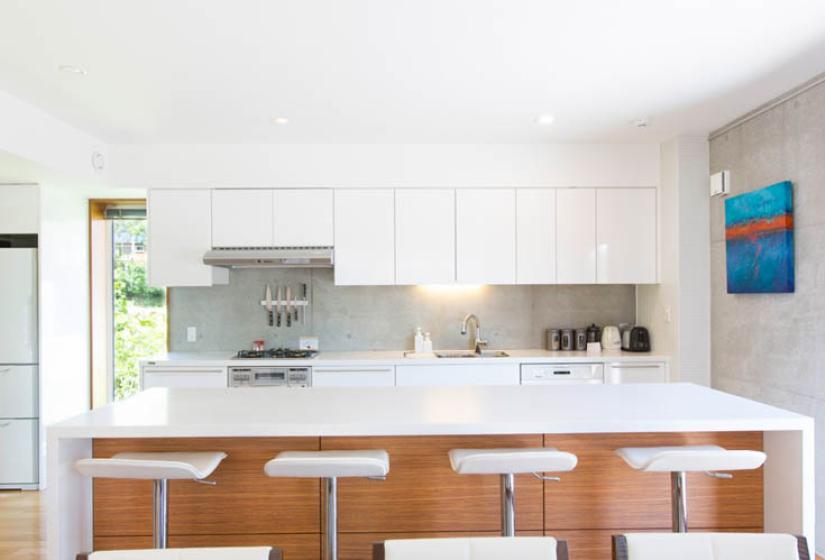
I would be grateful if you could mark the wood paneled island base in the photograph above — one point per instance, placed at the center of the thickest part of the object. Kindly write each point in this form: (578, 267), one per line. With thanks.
(422, 497)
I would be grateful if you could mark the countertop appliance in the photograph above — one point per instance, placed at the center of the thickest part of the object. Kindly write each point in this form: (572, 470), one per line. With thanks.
(636, 339)
(562, 374)
(275, 354)
(19, 415)
(264, 376)
(611, 338)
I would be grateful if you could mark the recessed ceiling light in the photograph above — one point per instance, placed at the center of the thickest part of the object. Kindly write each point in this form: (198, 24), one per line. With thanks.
(545, 119)
(71, 69)
(280, 120)
(642, 122)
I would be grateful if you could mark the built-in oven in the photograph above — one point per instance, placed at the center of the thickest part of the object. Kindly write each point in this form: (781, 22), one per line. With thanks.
(270, 376)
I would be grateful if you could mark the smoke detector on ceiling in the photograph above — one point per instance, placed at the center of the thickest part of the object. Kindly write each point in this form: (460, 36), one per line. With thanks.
(642, 122)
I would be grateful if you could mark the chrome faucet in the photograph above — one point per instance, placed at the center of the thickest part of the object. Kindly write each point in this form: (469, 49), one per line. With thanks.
(479, 342)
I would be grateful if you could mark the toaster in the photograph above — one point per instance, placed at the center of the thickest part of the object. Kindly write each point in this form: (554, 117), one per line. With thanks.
(637, 340)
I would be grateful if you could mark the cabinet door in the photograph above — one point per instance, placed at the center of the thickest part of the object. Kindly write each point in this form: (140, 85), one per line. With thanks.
(242, 218)
(364, 237)
(425, 236)
(626, 236)
(576, 236)
(186, 377)
(451, 375)
(19, 209)
(648, 372)
(180, 232)
(303, 218)
(536, 236)
(18, 391)
(486, 236)
(347, 376)
(18, 440)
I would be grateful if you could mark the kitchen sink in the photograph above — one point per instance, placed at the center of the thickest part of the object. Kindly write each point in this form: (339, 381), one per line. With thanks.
(471, 354)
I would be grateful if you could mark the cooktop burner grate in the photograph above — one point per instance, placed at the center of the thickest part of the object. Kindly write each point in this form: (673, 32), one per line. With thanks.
(275, 354)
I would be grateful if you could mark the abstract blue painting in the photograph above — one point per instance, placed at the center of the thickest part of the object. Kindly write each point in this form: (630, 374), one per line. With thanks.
(759, 241)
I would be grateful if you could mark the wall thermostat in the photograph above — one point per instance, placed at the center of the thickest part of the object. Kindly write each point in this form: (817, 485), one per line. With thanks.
(720, 183)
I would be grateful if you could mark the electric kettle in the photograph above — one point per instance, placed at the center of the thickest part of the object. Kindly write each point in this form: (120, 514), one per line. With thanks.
(611, 338)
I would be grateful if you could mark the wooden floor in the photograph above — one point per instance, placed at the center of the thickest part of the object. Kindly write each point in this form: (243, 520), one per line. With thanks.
(22, 525)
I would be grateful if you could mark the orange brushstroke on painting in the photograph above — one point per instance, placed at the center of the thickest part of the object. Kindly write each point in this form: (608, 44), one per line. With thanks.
(755, 228)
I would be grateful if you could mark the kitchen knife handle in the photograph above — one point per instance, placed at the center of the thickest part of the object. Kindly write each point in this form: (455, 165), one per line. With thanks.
(271, 317)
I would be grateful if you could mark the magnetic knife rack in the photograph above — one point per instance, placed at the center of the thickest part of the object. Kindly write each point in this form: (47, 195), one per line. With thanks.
(288, 309)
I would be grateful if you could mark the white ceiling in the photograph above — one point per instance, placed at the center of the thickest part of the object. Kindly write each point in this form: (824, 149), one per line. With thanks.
(417, 71)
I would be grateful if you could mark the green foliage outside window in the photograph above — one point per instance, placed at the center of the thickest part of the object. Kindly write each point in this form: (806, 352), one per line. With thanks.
(139, 310)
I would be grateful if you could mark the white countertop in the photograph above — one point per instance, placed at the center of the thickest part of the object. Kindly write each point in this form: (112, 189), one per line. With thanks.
(396, 357)
(262, 412)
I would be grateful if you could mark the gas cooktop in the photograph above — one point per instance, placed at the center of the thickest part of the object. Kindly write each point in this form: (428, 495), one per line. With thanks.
(275, 354)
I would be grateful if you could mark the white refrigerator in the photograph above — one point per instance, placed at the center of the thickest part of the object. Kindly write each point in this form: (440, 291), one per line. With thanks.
(18, 362)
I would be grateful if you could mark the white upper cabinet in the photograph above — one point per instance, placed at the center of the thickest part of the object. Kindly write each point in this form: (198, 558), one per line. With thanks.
(180, 232)
(425, 236)
(303, 218)
(486, 236)
(242, 218)
(626, 235)
(536, 236)
(19, 208)
(576, 236)
(364, 237)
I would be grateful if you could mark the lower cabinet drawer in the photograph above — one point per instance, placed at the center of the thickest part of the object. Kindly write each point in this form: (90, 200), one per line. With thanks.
(18, 459)
(18, 391)
(353, 376)
(480, 374)
(652, 372)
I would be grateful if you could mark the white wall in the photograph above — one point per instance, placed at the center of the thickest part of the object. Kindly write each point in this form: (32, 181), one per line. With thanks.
(389, 165)
(677, 310)
(58, 148)
(64, 312)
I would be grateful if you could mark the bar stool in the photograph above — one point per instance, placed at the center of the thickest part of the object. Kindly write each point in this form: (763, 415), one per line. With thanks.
(159, 467)
(330, 465)
(507, 463)
(680, 460)
(224, 553)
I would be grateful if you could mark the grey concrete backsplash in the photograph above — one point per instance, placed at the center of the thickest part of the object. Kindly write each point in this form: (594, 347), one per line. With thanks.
(384, 317)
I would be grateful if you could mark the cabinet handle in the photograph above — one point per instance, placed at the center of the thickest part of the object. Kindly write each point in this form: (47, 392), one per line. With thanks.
(317, 370)
(636, 366)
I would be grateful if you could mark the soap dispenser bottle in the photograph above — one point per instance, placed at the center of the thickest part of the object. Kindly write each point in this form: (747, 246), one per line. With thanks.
(419, 340)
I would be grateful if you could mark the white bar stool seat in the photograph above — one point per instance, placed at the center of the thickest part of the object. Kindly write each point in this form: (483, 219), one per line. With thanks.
(507, 463)
(679, 460)
(223, 553)
(330, 466)
(160, 467)
(372, 463)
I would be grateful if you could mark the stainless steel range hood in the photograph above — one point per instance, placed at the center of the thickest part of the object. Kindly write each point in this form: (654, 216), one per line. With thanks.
(270, 257)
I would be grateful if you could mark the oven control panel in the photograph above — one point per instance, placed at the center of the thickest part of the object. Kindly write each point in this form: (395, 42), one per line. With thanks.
(263, 376)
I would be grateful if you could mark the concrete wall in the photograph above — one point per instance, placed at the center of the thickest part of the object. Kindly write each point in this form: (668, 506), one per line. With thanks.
(384, 317)
(769, 347)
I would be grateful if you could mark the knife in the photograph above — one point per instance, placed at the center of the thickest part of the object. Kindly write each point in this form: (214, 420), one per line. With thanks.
(278, 305)
(304, 308)
(269, 305)
(288, 306)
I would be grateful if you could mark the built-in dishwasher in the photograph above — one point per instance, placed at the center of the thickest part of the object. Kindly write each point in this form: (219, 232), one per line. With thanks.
(562, 374)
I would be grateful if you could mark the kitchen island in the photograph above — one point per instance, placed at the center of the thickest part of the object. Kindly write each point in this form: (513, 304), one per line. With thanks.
(422, 497)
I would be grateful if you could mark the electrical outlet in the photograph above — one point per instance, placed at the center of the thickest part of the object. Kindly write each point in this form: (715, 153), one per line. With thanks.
(668, 314)
(191, 334)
